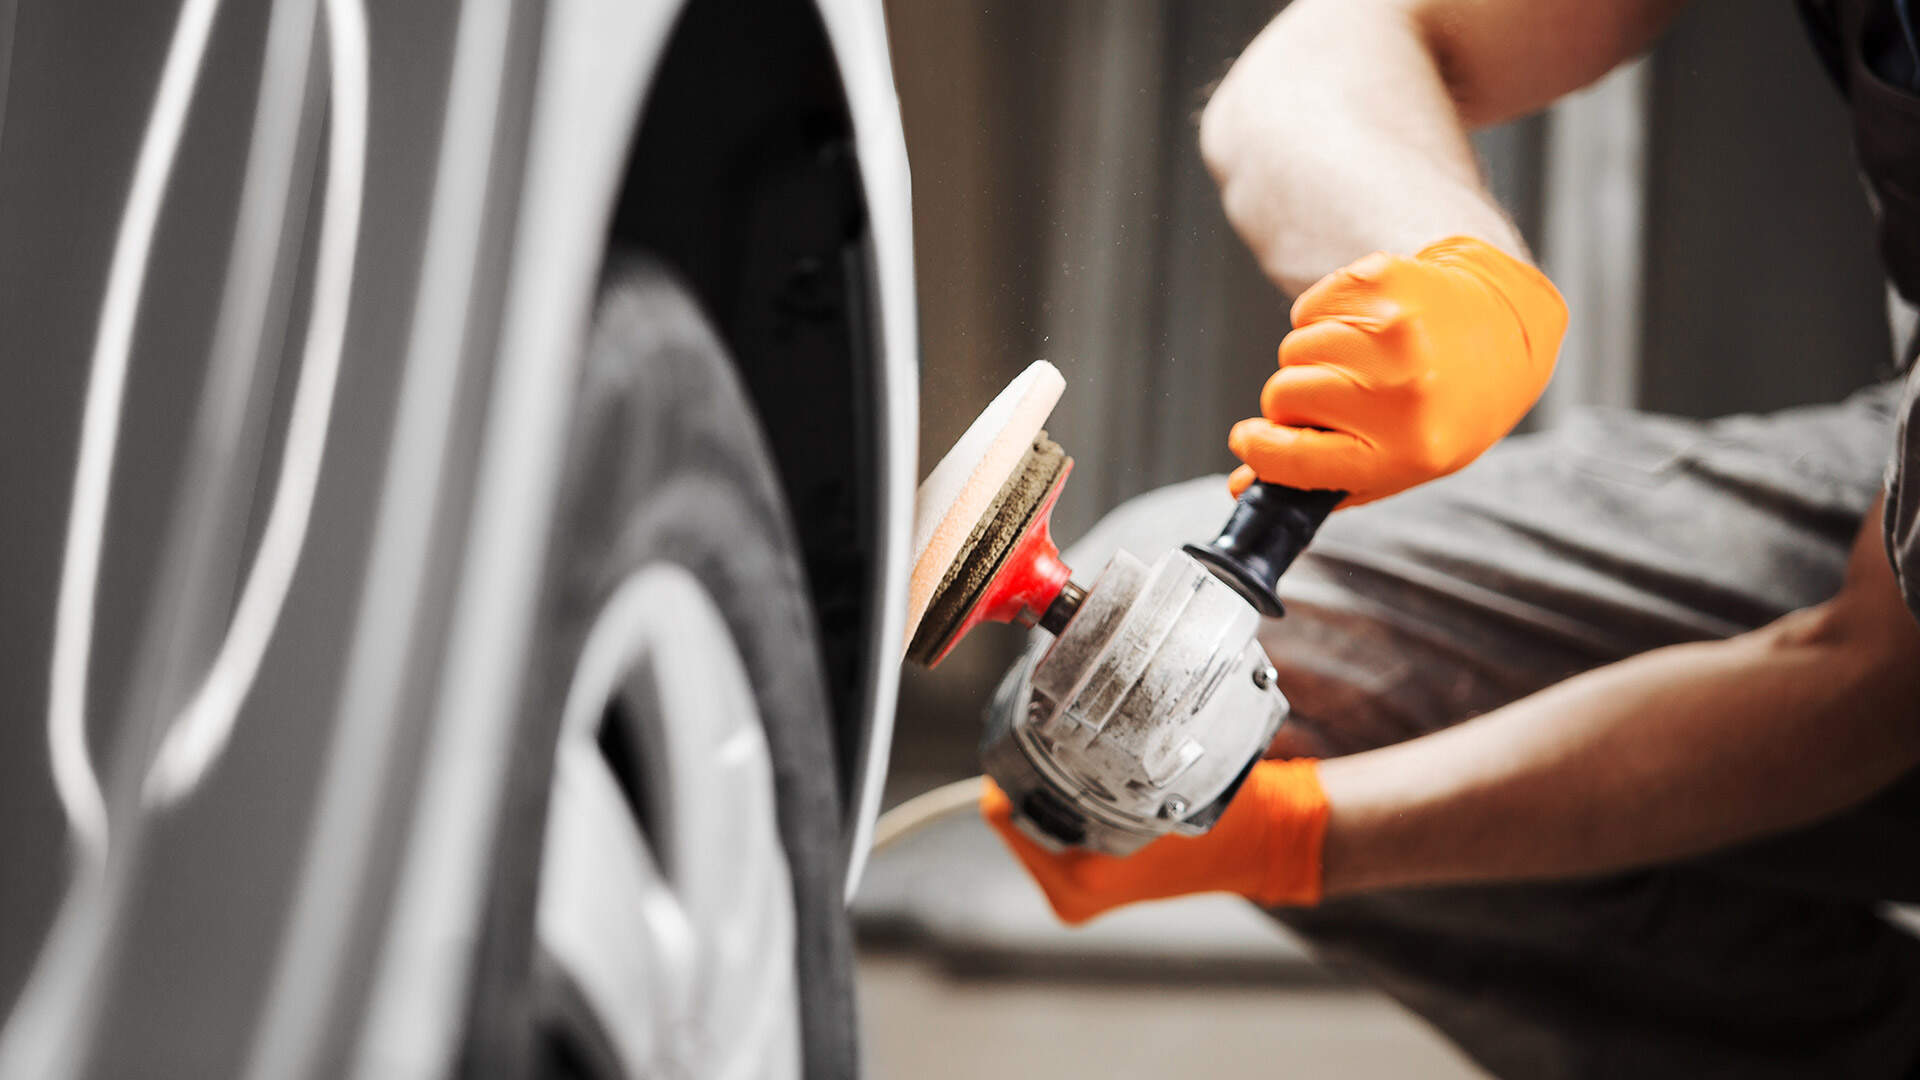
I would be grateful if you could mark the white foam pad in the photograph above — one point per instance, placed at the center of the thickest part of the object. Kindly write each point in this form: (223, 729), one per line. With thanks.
(957, 493)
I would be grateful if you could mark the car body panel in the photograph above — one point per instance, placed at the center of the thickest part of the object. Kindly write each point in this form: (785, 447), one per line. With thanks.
(859, 36)
(321, 889)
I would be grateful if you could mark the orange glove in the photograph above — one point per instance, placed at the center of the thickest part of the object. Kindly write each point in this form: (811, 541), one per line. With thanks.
(1266, 847)
(1401, 370)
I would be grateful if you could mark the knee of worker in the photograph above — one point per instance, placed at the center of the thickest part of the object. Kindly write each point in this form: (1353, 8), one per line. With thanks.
(1354, 680)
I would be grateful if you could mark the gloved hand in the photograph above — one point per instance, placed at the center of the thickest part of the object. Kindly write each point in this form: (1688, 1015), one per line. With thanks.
(1266, 847)
(1400, 370)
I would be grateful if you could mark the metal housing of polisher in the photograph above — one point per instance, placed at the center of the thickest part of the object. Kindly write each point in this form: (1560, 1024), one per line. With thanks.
(1142, 717)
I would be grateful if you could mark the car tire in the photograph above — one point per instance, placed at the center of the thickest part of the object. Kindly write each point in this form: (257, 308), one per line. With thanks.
(669, 489)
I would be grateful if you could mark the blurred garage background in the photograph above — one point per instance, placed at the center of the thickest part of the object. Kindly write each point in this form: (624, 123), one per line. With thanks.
(1062, 212)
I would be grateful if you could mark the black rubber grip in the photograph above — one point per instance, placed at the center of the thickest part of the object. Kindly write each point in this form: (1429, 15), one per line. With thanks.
(1269, 527)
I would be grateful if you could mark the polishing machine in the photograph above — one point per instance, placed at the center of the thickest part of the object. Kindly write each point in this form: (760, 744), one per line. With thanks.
(1153, 699)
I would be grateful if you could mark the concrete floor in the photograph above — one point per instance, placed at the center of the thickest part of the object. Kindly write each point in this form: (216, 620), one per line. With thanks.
(966, 973)
(921, 1022)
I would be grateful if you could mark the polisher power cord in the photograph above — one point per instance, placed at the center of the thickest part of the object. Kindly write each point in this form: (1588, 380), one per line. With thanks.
(924, 809)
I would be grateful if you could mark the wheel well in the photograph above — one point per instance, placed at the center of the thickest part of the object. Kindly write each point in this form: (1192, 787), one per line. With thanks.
(743, 179)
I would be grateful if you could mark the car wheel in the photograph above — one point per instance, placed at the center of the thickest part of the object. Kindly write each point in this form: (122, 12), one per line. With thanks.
(668, 896)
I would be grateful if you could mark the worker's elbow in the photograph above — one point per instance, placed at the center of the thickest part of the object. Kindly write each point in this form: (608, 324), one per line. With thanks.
(1859, 642)
(1822, 626)
(1866, 633)
(1234, 135)
(1214, 150)
(1255, 105)
(1223, 137)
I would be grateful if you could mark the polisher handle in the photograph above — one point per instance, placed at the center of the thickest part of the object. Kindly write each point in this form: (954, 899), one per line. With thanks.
(1270, 525)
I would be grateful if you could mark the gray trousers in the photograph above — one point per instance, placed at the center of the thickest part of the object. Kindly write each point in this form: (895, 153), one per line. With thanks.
(1556, 553)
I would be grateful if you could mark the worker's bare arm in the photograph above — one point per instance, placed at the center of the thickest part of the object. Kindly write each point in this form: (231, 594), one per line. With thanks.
(1342, 128)
(1672, 753)
(1501, 59)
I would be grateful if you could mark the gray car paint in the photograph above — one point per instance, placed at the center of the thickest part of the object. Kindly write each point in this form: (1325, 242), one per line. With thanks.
(209, 940)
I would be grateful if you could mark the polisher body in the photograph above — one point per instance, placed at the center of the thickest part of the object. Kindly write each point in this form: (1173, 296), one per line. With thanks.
(1153, 699)
(1141, 717)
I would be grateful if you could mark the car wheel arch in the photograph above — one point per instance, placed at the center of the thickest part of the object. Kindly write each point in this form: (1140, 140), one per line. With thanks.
(755, 173)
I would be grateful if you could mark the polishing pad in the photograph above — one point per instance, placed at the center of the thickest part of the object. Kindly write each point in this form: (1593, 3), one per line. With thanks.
(962, 489)
(1009, 569)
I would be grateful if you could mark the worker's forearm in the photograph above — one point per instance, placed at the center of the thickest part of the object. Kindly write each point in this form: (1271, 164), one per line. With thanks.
(1669, 754)
(1335, 135)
